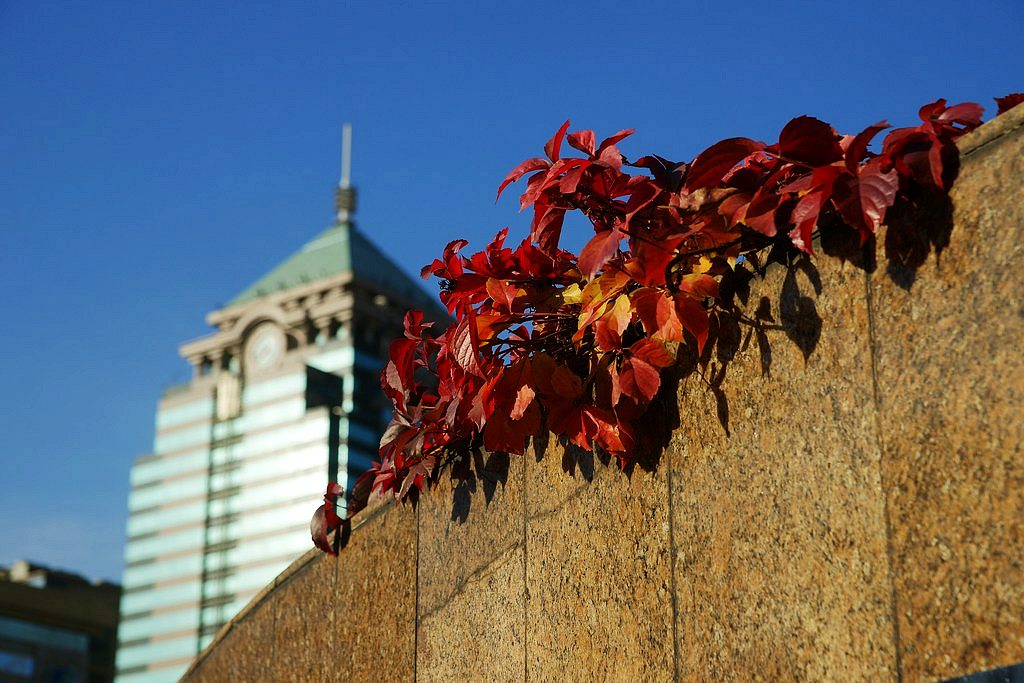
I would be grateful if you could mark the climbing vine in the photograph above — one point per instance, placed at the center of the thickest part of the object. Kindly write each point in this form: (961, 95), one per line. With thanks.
(579, 346)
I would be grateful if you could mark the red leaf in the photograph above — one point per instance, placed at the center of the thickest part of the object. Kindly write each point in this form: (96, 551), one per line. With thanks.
(713, 163)
(639, 379)
(932, 109)
(569, 420)
(863, 200)
(463, 344)
(652, 351)
(360, 493)
(598, 251)
(566, 383)
(502, 293)
(657, 313)
(547, 226)
(1008, 102)
(805, 217)
(553, 147)
(809, 141)
(505, 435)
(699, 286)
(858, 148)
(808, 208)
(666, 316)
(694, 319)
(614, 139)
(583, 140)
(449, 266)
(522, 169)
(587, 425)
(641, 197)
(608, 330)
(615, 385)
(413, 324)
(612, 156)
(967, 114)
(319, 532)
(760, 212)
(571, 180)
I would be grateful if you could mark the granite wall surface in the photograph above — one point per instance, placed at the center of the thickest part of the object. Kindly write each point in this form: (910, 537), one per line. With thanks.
(841, 498)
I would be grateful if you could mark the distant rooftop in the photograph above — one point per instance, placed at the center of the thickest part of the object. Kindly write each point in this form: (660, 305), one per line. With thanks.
(40, 576)
(340, 248)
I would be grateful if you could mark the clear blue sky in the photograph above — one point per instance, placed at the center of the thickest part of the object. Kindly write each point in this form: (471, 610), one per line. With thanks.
(155, 158)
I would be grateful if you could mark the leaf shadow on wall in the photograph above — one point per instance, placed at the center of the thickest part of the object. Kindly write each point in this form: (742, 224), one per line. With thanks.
(749, 315)
(750, 319)
(485, 470)
(917, 225)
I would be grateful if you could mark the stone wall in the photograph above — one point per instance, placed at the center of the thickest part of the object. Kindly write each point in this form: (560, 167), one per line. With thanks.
(842, 498)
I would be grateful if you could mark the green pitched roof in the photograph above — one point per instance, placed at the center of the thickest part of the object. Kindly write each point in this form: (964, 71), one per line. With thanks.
(338, 249)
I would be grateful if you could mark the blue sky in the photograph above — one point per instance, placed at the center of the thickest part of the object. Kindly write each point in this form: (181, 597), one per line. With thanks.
(158, 157)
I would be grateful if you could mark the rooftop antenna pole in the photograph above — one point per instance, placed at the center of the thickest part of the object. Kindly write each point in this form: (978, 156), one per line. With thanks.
(346, 155)
(345, 195)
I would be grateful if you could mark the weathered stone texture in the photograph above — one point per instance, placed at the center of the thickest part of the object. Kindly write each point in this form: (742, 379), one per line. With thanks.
(950, 367)
(304, 610)
(598, 572)
(375, 601)
(781, 569)
(478, 634)
(243, 653)
(471, 624)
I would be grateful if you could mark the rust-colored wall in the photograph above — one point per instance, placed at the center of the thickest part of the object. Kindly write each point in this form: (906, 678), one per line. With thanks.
(862, 518)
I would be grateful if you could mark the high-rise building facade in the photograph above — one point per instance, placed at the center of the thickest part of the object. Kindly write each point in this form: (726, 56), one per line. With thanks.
(285, 395)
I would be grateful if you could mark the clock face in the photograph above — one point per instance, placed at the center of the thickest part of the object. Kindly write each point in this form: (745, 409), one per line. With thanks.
(265, 348)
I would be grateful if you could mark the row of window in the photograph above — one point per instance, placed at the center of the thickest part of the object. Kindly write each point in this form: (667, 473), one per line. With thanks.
(307, 486)
(161, 545)
(272, 489)
(310, 485)
(290, 517)
(157, 519)
(29, 632)
(266, 415)
(182, 438)
(161, 571)
(186, 619)
(146, 653)
(313, 429)
(161, 468)
(185, 413)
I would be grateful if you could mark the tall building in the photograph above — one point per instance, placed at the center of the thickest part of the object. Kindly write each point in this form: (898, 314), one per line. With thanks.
(55, 626)
(285, 396)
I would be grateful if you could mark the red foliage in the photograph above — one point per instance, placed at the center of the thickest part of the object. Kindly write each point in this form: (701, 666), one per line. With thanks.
(543, 340)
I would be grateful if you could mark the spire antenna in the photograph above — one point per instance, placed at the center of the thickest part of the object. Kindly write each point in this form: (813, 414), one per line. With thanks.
(346, 155)
(345, 195)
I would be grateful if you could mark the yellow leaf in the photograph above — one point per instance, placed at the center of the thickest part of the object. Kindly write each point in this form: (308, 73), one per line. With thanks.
(621, 314)
(572, 294)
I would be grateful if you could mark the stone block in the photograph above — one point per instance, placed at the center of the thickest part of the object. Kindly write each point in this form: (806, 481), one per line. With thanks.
(950, 368)
(471, 575)
(598, 574)
(304, 623)
(375, 599)
(781, 568)
(478, 633)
